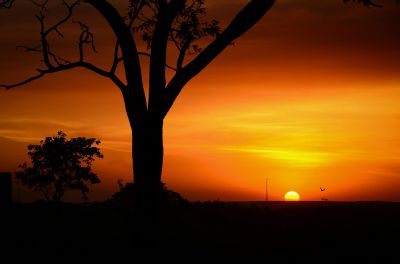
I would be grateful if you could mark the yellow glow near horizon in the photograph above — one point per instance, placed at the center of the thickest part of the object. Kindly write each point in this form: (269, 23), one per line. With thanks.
(290, 156)
(292, 196)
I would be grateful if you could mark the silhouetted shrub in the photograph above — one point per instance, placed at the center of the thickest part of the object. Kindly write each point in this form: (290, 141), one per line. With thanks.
(127, 196)
(58, 164)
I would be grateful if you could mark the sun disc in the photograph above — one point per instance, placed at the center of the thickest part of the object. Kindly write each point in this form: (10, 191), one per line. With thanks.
(292, 196)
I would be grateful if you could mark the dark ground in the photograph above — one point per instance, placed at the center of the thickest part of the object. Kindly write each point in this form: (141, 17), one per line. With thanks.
(317, 231)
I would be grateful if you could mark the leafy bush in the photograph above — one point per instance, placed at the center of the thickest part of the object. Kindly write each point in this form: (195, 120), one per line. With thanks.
(127, 196)
(59, 164)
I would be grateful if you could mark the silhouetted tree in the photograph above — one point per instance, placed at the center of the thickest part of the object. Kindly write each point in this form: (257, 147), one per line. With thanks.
(158, 23)
(59, 164)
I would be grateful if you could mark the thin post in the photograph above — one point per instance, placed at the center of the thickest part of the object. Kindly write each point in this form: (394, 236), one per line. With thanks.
(5, 190)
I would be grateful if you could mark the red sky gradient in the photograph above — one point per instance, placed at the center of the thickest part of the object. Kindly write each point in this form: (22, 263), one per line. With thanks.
(309, 97)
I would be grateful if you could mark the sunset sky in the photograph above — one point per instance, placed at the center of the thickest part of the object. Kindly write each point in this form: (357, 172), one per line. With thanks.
(309, 97)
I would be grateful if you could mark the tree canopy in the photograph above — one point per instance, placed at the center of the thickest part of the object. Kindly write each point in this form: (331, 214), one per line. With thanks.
(59, 164)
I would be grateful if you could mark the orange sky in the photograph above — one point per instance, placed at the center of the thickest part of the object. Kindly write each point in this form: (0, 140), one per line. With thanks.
(310, 97)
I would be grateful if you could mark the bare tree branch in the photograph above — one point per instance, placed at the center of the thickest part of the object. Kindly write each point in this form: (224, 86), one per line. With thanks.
(62, 64)
(242, 22)
(43, 39)
(79, 64)
(133, 14)
(135, 11)
(149, 55)
(9, 86)
(45, 32)
(116, 59)
(165, 18)
(175, 43)
(6, 3)
(55, 57)
(65, 19)
(182, 54)
(146, 54)
(40, 5)
(133, 72)
(86, 37)
(366, 2)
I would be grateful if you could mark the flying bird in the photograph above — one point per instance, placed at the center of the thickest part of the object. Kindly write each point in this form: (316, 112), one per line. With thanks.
(322, 189)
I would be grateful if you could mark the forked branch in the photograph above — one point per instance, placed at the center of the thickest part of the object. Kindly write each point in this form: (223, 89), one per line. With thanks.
(86, 38)
(140, 53)
(69, 66)
(243, 21)
(55, 63)
(6, 3)
(366, 2)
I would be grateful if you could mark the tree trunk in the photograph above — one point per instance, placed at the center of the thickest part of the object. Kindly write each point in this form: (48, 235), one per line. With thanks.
(147, 155)
(147, 147)
(147, 151)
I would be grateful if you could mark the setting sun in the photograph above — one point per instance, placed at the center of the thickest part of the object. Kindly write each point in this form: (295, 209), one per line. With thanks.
(292, 196)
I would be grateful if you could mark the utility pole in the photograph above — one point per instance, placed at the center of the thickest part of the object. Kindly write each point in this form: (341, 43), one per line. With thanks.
(266, 189)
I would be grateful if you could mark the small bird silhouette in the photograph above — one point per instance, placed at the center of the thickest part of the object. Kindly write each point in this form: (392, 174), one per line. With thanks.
(322, 189)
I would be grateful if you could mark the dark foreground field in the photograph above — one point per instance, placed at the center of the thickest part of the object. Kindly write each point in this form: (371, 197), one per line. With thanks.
(207, 231)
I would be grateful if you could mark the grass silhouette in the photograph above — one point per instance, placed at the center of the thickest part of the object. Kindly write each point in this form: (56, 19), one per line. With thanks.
(335, 229)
